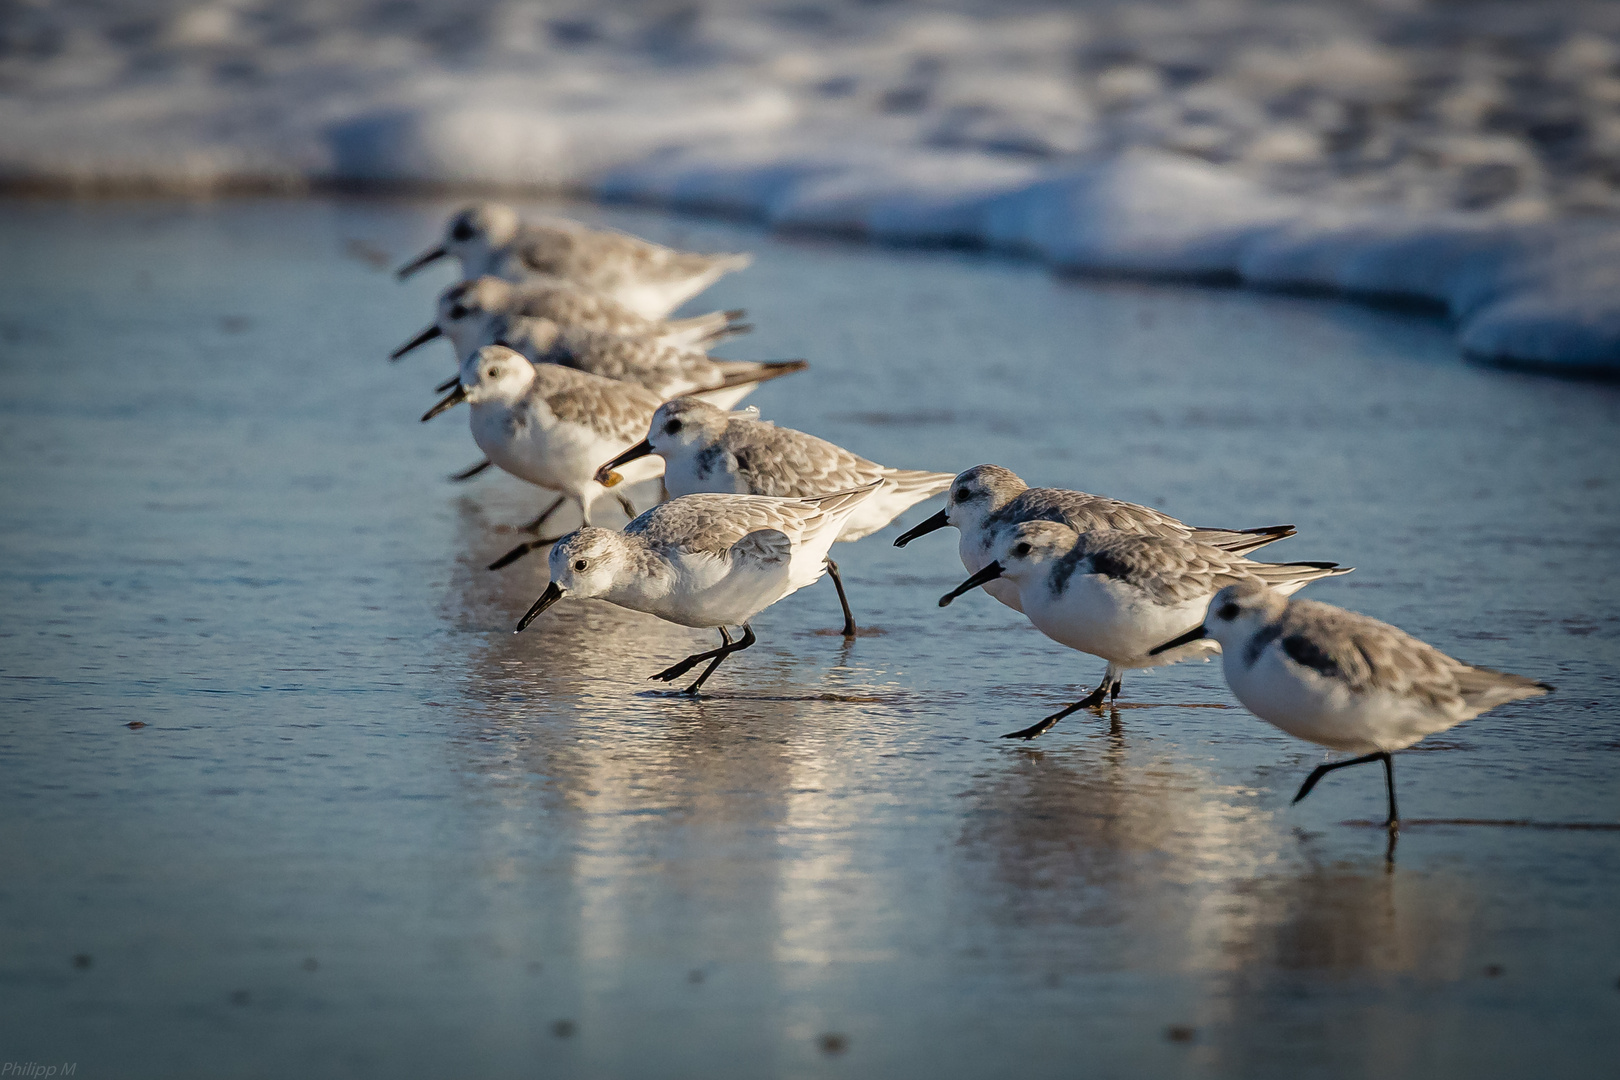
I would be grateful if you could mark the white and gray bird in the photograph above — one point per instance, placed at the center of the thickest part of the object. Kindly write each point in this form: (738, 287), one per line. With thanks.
(703, 561)
(648, 278)
(552, 426)
(1117, 595)
(707, 449)
(1343, 680)
(986, 499)
(488, 309)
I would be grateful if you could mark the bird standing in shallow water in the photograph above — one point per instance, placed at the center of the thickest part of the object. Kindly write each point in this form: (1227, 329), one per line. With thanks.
(551, 425)
(986, 499)
(704, 561)
(1344, 680)
(706, 449)
(648, 278)
(1116, 595)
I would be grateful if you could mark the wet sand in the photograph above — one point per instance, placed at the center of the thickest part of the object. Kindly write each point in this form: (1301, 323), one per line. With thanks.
(367, 831)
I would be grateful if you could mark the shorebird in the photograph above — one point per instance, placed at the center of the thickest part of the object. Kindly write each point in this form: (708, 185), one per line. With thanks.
(551, 425)
(489, 309)
(648, 278)
(1343, 680)
(703, 561)
(988, 498)
(706, 449)
(1116, 595)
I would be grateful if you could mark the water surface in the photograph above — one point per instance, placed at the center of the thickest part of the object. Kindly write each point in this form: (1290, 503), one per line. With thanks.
(367, 831)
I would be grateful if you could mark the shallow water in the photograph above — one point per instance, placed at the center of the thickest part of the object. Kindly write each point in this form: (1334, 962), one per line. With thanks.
(367, 831)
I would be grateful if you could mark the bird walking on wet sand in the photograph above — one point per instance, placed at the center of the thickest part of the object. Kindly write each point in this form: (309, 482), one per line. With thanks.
(1117, 595)
(706, 449)
(648, 278)
(1343, 680)
(987, 499)
(552, 426)
(489, 309)
(704, 561)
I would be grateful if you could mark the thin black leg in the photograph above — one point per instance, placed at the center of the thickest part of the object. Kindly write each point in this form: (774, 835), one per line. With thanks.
(843, 601)
(627, 506)
(471, 471)
(521, 550)
(534, 526)
(1320, 771)
(674, 672)
(1113, 692)
(1394, 822)
(1092, 700)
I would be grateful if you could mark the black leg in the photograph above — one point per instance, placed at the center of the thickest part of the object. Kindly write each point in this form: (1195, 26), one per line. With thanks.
(1092, 700)
(534, 526)
(521, 550)
(670, 674)
(1320, 771)
(843, 601)
(627, 506)
(1394, 822)
(471, 471)
(1113, 692)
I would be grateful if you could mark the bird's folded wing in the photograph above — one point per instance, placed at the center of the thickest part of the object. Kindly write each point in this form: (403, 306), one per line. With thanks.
(762, 548)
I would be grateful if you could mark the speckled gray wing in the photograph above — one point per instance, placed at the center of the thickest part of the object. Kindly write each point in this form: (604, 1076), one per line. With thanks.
(1367, 655)
(1175, 570)
(607, 259)
(713, 523)
(1085, 513)
(791, 464)
(663, 369)
(581, 309)
(614, 410)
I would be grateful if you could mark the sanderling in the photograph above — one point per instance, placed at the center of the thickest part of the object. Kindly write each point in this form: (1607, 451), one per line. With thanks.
(551, 426)
(706, 449)
(703, 561)
(1116, 594)
(488, 309)
(1343, 680)
(986, 499)
(648, 278)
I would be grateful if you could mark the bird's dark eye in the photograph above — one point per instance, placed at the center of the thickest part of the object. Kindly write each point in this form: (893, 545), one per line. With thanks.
(673, 427)
(1021, 550)
(492, 373)
(961, 495)
(1229, 611)
(458, 312)
(579, 564)
(462, 231)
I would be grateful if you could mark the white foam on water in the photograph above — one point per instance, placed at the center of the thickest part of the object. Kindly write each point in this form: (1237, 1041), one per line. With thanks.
(1465, 155)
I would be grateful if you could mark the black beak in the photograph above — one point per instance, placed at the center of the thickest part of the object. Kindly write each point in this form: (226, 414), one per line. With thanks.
(547, 598)
(420, 339)
(447, 384)
(936, 522)
(1192, 635)
(641, 449)
(420, 261)
(449, 401)
(989, 573)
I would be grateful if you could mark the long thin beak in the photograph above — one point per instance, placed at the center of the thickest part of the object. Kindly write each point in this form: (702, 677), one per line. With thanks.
(605, 473)
(420, 261)
(420, 339)
(547, 598)
(449, 401)
(989, 573)
(936, 522)
(1192, 635)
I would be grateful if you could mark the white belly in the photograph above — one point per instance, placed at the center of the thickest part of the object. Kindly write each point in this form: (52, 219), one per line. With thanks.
(976, 557)
(1113, 620)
